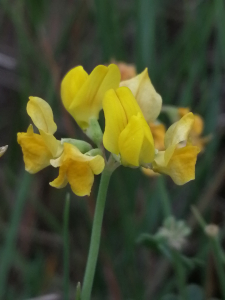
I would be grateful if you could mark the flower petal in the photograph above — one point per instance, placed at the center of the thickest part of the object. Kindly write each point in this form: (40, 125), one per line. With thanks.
(88, 101)
(110, 81)
(126, 130)
(57, 162)
(41, 114)
(148, 149)
(61, 181)
(181, 167)
(128, 102)
(35, 153)
(130, 142)
(198, 125)
(179, 131)
(115, 121)
(80, 177)
(135, 144)
(54, 146)
(71, 84)
(78, 169)
(148, 99)
(97, 164)
(169, 153)
(72, 152)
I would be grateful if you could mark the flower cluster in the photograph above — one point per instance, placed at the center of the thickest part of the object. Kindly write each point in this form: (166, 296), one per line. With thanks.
(132, 133)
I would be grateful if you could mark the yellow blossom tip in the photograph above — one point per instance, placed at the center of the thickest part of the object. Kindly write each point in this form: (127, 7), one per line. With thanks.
(71, 84)
(41, 114)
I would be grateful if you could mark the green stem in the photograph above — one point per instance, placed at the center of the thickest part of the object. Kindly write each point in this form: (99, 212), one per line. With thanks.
(164, 197)
(219, 263)
(95, 235)
(66, 247)
(180, 274)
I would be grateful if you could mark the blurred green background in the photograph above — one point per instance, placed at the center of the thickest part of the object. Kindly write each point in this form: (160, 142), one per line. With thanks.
(183, 45)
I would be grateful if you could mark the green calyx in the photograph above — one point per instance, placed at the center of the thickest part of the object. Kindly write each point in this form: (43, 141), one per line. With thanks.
(94, 152)
(81, 145)
(94, 132)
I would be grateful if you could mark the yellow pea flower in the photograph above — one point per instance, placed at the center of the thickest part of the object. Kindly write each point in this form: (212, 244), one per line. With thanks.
(38, 149)
(196, 130)
(3, 149)
(126, 131)
(178, 160)
(77, 169)
(148, 99)
(82, 94)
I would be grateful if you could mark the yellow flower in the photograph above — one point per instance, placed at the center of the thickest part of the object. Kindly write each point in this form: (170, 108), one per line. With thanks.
(78, 169)
(126, 131)
(82, 94)
(38, 149)
(196, 130)
(148, 99)
(178, 160)
(2, 150)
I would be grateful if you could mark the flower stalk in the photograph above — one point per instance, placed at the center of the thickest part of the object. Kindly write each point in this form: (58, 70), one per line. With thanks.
(96, 232)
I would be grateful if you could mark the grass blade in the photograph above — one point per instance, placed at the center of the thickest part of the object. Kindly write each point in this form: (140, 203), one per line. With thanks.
(10, 243)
